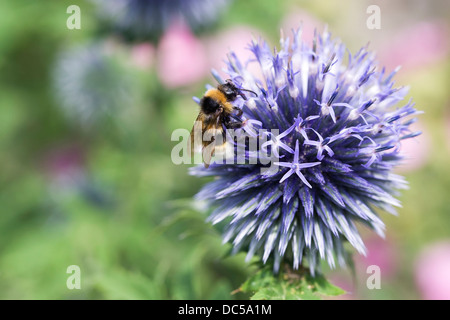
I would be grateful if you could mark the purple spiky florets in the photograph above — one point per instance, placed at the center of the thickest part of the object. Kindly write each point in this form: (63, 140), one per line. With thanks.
(339, 140)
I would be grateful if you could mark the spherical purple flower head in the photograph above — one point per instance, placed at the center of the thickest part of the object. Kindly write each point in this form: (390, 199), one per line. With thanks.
(339, 140)
(148, 19)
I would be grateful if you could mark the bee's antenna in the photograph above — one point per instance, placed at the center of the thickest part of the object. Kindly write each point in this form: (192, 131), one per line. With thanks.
(249, 91)
(229, 81)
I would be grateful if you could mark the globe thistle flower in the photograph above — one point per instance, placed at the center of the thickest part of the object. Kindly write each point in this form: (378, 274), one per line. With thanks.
(90, 84)
(339, 140)
(148, 19)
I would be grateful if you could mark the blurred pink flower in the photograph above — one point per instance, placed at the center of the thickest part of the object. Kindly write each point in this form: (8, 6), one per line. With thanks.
(142, 55)
(380, 252)
(432, 272)
(415, 151)
(298, 18)
(418, 45)
(64, 167)
(236, 39)
(181, 57)
(64, 160)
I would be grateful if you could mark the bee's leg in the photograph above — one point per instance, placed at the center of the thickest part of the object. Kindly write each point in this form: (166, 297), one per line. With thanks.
(219, 111)
(239, 111)
(235, 125)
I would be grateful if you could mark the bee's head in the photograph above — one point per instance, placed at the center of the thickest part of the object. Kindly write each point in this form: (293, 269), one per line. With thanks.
(231, 91)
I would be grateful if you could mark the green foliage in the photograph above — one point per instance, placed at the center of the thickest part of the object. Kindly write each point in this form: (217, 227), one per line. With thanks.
(288, 285)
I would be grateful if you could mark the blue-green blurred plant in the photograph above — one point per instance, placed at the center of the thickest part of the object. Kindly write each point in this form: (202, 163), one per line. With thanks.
(148, 19)
(92, 84)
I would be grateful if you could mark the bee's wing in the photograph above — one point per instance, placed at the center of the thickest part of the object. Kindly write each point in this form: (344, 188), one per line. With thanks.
(210, 147)
(213, 128)
(208, 152)
(197, 129)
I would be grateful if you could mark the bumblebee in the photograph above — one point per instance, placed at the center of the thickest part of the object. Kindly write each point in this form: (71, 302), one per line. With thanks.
(217, 113)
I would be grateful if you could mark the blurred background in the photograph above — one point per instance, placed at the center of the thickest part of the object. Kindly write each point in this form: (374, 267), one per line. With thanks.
(86, 117)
